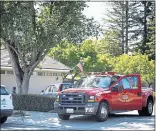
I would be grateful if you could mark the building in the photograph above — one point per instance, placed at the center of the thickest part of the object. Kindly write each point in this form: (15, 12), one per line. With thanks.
(50, 73)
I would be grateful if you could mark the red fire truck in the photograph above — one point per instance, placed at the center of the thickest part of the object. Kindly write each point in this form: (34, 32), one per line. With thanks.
(101, 94)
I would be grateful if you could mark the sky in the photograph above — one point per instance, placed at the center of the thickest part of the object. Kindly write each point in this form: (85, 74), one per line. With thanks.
(97, 10)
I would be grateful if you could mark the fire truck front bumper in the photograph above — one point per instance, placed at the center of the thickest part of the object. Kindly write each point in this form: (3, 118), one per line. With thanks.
(86, 109)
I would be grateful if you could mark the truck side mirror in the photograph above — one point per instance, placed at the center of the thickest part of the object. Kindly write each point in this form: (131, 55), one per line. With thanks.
(115, 88)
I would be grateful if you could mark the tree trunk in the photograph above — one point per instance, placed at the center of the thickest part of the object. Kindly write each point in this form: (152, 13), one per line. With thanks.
(17, 72)
(126, 51)
(122, 32)
(25, 83)
(22, 77)
(145, 28)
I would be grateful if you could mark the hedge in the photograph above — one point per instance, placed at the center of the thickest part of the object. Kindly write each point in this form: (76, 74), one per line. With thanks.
(33, 102)
(154, 94)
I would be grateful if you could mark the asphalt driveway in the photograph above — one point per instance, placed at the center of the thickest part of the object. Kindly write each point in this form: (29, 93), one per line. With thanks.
(50, 121)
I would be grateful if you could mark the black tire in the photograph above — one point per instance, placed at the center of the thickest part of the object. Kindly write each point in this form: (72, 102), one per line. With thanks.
(103, 112)
(148, 110)
(63, 116)
(3, 119)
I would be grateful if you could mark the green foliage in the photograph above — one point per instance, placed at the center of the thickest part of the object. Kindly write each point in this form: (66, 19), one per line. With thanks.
(151, 34)
(66, 52)
(31, 102)
(126, 64)
(70, 54)
(134, 26)
(30, 28)
(109, 44)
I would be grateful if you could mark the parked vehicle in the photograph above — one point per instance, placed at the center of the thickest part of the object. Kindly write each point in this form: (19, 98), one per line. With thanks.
(53, 89)
(101, 94)
(6, 103)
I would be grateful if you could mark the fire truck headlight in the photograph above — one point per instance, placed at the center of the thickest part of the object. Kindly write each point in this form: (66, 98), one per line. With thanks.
(91, 99)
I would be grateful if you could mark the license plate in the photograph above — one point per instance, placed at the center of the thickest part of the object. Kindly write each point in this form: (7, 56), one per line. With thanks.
(3, 102)
(69, 110)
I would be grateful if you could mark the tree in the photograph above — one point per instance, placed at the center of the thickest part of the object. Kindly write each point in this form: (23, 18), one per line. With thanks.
(66, 52)
(109, 44)
(116, 21)
(123, 18)
(126, 26)
(30, 29)
(151, 32)
(139, 63)
(70, 55)
(146, 18)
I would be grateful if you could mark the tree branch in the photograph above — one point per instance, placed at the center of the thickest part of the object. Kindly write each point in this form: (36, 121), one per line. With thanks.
(12, 47)
(39, 58)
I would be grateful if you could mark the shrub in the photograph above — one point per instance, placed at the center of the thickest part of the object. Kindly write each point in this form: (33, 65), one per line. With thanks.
(33, 102)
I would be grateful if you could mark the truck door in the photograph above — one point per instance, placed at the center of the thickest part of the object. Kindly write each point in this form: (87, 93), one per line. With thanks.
(116, 92)
(131, 95)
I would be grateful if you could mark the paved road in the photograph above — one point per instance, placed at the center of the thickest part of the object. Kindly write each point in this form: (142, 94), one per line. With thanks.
(40, 121)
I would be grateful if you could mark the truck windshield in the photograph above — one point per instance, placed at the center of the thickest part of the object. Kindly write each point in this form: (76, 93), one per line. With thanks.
(95, 81)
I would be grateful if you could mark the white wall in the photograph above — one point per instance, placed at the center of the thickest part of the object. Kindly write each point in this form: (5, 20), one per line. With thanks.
(37, 83)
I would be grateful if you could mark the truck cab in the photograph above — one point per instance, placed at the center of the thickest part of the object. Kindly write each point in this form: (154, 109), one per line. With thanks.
(102, 93)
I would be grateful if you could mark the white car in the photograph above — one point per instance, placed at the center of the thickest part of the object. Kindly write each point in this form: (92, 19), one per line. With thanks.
(6, 103)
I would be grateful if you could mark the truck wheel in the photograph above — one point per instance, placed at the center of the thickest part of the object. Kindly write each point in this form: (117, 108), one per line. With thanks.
(63, 116)
(148, 110)
(102, 113)
(3, 119)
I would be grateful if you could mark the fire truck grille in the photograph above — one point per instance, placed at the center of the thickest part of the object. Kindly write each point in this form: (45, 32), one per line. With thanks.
(72, 98)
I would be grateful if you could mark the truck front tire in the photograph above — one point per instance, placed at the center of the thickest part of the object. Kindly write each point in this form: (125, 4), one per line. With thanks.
(102, 113)
(63, 116)
(148, 110)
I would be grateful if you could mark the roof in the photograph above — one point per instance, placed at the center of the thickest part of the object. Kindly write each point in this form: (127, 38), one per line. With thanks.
(47, 63)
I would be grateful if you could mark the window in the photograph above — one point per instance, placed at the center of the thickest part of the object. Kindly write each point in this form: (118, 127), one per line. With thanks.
(2, 71)
(65, 86)
(113, 80)
(133, 81)
(54, 89)
(119, 85)
(54, 74)
(10, 72)
(39, 73)
(125, 83)
(47, 74)
(96, 81)
(58, 74)
(3, 91)
(48, 89)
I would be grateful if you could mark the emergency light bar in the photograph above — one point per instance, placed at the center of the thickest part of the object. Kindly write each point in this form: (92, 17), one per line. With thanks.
(101, 73)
